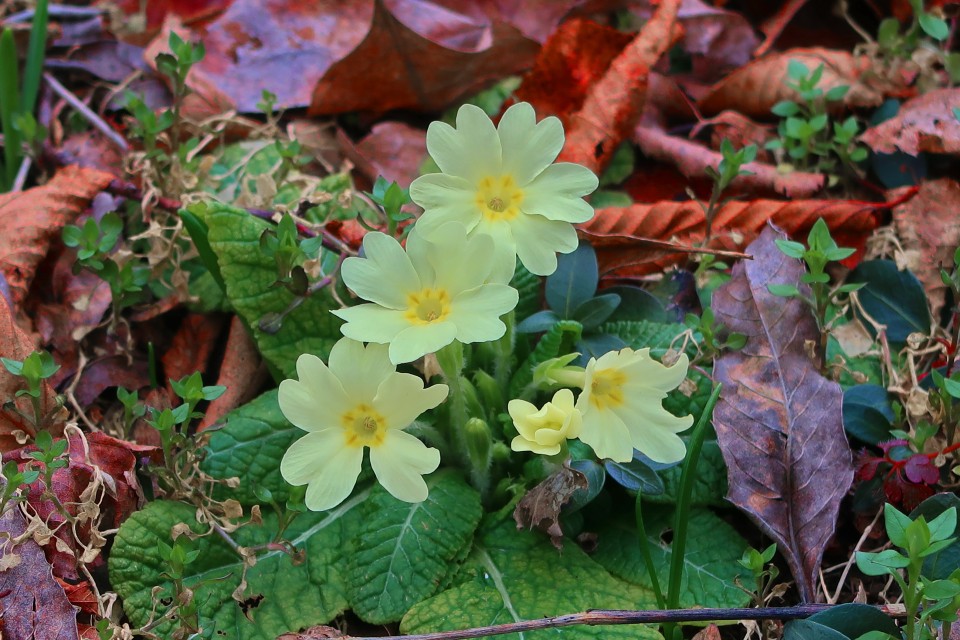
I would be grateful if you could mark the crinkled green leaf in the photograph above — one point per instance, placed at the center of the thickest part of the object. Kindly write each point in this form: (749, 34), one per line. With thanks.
(403, 551)
(640, 334)
(709, 564)
(250, 447)
(293, 595)
(528, 286)
(250, 275)
(518, 575)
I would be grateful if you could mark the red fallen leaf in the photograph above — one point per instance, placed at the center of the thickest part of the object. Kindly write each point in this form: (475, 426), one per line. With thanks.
(536, 19)
(111, 371)
(417, 55)
(540, 507)
(93, 151)
(349, 232)
(572, 59)
(81, 595)
(33, 605)
(925, 123)
(716, 39)
(16, 344)
(157, 11)
(191, 346)
(779, 422)
(616, 233)
(93, 457)
(754, 89)
(929, 225)
(240, 372)
(30, 220)
(615, 102)
(693, 159)
(395, 150)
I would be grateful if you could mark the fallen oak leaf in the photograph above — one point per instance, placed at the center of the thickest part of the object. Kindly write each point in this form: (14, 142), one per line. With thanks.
(737, 224)
(33, 604)
(779, 421)
(398, 67)
(754, 88)
(693, 159)
(615, 102)
(773, 26)
(31, 220)
(925, 123)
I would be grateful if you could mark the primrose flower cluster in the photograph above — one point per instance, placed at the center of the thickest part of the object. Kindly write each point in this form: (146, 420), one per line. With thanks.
(499, 197)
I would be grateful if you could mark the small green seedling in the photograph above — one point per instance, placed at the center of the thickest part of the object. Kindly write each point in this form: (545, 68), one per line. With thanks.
(34, 369)
(926, 600)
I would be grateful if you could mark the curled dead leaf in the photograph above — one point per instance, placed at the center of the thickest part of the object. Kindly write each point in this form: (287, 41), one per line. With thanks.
(540, 507)
(925, 123)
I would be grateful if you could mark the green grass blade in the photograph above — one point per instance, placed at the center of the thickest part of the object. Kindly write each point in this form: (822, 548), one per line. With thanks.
(35, 55)
(9, 103)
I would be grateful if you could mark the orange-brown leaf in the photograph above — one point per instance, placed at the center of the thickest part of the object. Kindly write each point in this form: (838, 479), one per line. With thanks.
(30, 220)
(618, 233)
(615, 102)
(396, 67)
(240, 373)
(754, 88)
(929, 225)
(925, 123)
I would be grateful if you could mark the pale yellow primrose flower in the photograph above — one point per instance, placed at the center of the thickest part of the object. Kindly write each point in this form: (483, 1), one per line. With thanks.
(358, 401)
(501, 181)
(424, 298)
(544, 430)
(622, 411)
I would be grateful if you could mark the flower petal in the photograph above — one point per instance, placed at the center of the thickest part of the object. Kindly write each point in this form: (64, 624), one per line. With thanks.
(460, 262)
(313, 402)
(660, 445)
(324, 462)
(476, 313)
(646, 372)
(417, 341)
(646, 410)
(606, 434)
(538, 241)
(470, 151)
(371, 323)
(401, 398)
(503, 262)
(384, 275)
(445, 198)
(528, 147)
(360, 369)
(400, 463)
(557, 193)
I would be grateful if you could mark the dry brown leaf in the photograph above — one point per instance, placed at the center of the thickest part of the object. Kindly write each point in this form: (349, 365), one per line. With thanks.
(444, 57)
(618, 233)
(929, 223)
(395, 150)
(240, 373)
(925, 123)
(693, 159)
(615, 102)
(30, 220)
(779, 421)
(540, 507)
(754, 88)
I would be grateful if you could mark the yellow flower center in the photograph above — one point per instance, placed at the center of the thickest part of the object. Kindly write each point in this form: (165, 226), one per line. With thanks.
(427, 306)
(363, 426)
(606, 388)
(499, 198)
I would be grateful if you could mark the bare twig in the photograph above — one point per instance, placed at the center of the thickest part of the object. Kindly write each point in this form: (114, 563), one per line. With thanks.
(87, 113)
(613, 617)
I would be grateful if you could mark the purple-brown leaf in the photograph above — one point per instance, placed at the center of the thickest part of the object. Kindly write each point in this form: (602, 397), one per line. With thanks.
(32, 602)
(779, 422)
(540, 508)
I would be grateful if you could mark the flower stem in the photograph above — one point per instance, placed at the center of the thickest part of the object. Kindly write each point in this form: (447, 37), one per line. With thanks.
(682, 515)
(450, 359)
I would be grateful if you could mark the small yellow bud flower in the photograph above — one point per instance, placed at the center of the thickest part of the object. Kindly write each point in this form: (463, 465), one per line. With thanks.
(545, 430)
